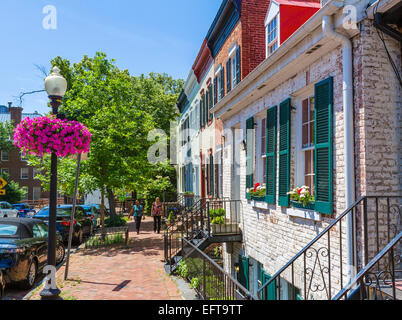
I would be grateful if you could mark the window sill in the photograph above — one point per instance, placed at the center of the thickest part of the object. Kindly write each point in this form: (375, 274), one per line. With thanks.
(304, 213)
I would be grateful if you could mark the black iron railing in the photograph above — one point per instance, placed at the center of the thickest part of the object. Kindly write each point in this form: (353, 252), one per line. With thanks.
(209, 279)
(206, 218)
(379, 278)
(323, 267)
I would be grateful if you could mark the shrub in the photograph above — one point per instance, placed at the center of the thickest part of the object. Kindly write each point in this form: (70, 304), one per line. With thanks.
(116, 221)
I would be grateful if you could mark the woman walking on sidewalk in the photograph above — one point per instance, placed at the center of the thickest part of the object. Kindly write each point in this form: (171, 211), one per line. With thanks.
(156, 212)
(138, 211)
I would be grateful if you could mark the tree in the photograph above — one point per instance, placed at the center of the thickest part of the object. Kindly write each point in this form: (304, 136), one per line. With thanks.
(14, 193)
(66, 173)
(102, 97)
(6, 131)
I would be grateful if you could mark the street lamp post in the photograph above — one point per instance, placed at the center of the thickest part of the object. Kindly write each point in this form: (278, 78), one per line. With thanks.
(56, 87)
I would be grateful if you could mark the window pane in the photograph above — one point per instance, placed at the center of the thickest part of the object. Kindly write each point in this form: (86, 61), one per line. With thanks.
(263, 136)
(305, 111)
(311, 133)
(305, 140)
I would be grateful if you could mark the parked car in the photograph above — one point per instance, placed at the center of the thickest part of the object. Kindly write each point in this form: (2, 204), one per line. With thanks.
(23, 250)
(94, 213)
(7, 210)
(82, 223)
(24, 210)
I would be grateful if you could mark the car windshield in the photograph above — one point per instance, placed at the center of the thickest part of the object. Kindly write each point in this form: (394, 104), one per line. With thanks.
(60, 211)
(19, 206)
(8, 230)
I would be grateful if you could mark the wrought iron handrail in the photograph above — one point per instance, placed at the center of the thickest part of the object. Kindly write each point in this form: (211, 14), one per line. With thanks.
(326, 251)
(364, 272)
(234, 284)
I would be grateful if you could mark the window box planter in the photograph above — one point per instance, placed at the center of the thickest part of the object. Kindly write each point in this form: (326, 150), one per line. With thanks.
(258, 198)
(224, 229)
(299, 205)
(188, 195)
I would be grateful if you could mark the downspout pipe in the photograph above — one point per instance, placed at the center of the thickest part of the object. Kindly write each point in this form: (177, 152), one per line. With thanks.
(347, 79)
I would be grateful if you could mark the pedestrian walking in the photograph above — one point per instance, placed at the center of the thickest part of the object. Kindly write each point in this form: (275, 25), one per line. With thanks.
(156, 212)
(137, 213)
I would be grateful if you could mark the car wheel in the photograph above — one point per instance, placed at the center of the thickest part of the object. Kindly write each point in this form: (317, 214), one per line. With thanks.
(31, 276)
(61, 252)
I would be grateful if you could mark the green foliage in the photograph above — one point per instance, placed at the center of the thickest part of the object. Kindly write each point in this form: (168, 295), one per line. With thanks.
(97, 241)
(6, 132)
(172, 217)
(66, 172)
(217, 252)
(195, 282)
(115, 221)
(14, 193)
(120, 110)
(217, 216)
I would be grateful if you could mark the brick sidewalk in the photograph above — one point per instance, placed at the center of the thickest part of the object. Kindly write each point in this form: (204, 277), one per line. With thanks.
(133, 273)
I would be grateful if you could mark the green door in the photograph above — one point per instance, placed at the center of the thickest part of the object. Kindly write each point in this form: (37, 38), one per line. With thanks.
(243, 276)
(271, 290)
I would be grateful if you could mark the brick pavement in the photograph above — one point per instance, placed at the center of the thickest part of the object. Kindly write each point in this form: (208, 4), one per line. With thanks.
(132, 273)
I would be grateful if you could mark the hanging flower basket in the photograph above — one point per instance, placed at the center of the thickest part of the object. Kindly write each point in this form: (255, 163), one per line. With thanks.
(47, 135)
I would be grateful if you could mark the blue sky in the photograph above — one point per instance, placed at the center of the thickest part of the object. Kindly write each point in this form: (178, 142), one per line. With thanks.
(142, 36)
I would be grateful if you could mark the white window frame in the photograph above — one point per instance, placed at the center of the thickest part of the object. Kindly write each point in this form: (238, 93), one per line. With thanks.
(274, 41)
(5, 153)
(299, 150)
(27, 174)
(259, 155)
(218, 76)
(233, 62)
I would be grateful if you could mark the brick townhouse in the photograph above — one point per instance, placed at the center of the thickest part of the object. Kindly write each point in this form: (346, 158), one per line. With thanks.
(13, 161)
(306, 93)
(322, 110)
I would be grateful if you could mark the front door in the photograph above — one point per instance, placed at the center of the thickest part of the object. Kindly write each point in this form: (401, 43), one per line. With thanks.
(271, 290)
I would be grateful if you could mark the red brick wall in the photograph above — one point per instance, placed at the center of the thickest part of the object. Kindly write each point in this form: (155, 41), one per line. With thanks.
(253, 34)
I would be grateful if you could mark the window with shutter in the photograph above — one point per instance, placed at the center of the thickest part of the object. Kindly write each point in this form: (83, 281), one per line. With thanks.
(200, 115)
(271, 154)
(323, 146)
(210, 102)
(249, 152)
(228, 76)
(284, 152)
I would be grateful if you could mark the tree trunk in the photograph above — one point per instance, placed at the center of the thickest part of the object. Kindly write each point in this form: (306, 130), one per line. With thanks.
(103, 214)
(112, 205)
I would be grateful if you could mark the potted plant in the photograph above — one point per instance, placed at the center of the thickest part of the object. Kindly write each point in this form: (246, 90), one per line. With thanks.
(219, 224)
(302, 198)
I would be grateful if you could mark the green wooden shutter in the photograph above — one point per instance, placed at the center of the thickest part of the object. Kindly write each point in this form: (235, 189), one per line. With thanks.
(249, 152)
(271, 155)
(200, 115)
(284, 152)
(211, 102)
(228, 77)
(211, 174)
(271, 290)
(222, 88)
(204, 108)
(238, 65)
(323, 146)
(243, 276)
(215, 90)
